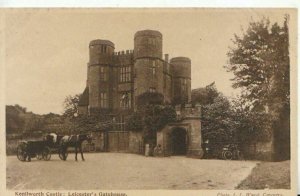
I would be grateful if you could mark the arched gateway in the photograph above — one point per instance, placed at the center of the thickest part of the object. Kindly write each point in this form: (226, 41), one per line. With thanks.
(179, 141)
(182, 138)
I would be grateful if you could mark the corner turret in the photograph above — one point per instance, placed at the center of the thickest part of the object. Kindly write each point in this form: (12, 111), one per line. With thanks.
(181, 71)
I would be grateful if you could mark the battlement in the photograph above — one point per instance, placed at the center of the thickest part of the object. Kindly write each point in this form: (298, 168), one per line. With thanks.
(188, 111)
(180, 59)
(148, 33)
(123, 57)
(101, 42)
(146, 70)
(123, 52)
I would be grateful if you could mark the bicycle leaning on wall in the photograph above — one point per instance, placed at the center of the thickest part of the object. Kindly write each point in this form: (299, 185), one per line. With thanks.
(231, 152)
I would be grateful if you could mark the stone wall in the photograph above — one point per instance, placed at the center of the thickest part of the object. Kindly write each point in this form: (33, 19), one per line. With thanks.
(148, 71)
(194, 138)
(146, 77)
(94, 88)
(123, 58)
(97, 53)
(148, 43)
(168, 88)
(259, 151)
(83, 110)
(181, 71)
(264, 151)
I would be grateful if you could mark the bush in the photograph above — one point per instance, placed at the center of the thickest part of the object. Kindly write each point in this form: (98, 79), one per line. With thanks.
(149, 98)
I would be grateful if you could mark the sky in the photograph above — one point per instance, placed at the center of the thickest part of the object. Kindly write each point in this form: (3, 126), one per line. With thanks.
(46, 50)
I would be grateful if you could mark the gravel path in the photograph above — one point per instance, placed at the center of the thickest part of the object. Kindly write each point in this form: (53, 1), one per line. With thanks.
(126, 171)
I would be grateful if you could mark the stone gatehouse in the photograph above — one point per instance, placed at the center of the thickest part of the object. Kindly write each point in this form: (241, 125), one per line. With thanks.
(116, 79)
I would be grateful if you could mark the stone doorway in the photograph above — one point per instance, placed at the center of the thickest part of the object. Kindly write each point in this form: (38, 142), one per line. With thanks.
(179, 141)
(181, 138)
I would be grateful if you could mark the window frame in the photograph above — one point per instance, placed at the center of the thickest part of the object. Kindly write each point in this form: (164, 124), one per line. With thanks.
(103, 100)
(125, 74)
(103, 73)
(152, 89)
(103, 48)
(153, 69)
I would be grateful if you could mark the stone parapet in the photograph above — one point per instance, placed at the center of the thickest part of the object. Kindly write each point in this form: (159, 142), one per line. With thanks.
(188, 112)
(148, 33)
(148, 43)
(101, 42)
(123, 52)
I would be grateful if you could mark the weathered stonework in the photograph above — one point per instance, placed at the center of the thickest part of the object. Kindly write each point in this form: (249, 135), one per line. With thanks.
(190, 124)
(116, 77)
(148, 72)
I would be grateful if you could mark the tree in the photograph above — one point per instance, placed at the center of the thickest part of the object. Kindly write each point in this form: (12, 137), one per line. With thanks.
(14, 120)
(20, 108)
(147, 98)
(260, 64)
(227, 121)
(98, 119)
(206, 95)
(135, 122)
(250, 125)
(218, 125)
(217, 118)
(71, 105)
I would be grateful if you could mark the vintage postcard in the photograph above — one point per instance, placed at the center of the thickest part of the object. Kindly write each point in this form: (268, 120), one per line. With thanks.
(121, 102)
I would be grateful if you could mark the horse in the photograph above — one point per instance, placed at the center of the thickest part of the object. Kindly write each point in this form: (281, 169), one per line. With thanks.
(74, 141)
(53, 139)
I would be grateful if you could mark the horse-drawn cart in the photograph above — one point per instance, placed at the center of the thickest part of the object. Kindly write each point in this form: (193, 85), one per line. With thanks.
(40, 149)
(31, 149)
(52, 143)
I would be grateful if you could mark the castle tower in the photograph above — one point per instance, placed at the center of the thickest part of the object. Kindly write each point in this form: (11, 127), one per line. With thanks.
(181, 71)
(148, 64)
(100, 52)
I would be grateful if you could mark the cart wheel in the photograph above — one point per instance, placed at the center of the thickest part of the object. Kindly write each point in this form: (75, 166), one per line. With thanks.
(60, 154)
(46, 154)
(21, 152)
(227, 155)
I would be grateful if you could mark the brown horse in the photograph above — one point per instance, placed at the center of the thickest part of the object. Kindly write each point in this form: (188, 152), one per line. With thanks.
(74, 141)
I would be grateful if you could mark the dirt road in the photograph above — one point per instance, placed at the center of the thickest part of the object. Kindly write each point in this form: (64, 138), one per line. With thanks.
(125, 171)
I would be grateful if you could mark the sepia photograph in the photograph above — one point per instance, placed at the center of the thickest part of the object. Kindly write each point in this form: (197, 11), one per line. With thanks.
(189, 99)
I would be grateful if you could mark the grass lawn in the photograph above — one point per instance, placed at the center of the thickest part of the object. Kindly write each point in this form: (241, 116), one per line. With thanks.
(272, 175)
